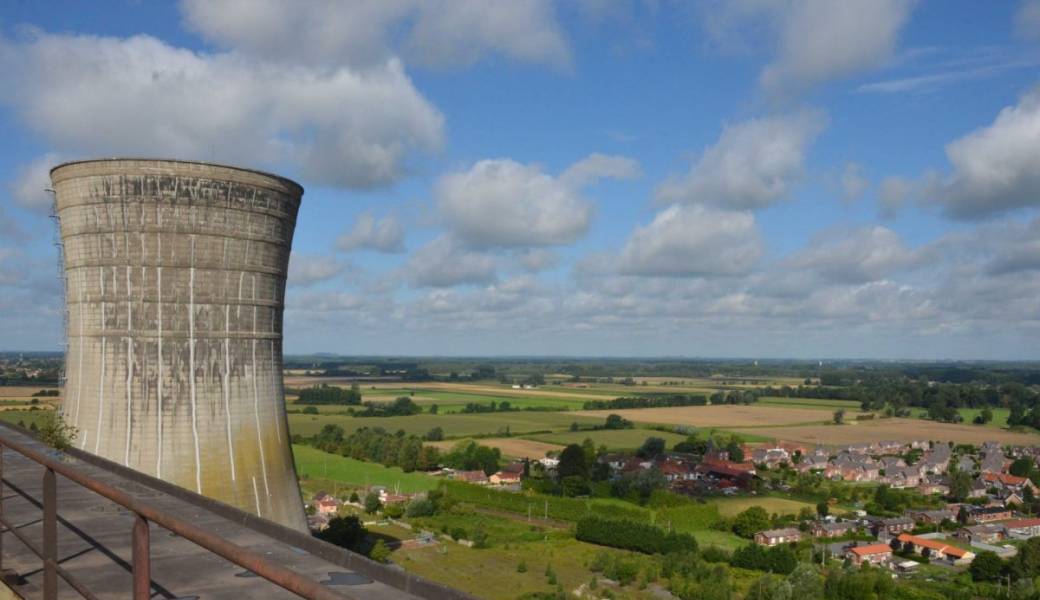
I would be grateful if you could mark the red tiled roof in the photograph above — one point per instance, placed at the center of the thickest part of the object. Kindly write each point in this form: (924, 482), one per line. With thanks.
(872, 549)
(932, 544)
(1004, 478)
(1022, 523)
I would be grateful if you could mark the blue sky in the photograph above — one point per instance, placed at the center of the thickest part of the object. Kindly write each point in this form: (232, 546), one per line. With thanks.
(774, 178)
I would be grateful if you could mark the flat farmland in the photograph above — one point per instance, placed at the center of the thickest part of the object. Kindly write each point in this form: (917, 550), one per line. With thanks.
(818, 403)
(613, 439)
(510, 447)
(25, 391)
(456, 425)
(313, 463)
(722, 415)
(899, 430)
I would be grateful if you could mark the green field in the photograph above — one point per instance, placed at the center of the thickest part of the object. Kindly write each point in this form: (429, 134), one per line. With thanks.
(455, 425)
(729, 507)
(1000, 415)
(822, 404)
(28, 417)
(313, 463)
(613, 439)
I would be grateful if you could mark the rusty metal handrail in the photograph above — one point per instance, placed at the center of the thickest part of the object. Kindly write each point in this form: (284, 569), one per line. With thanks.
(144, 513)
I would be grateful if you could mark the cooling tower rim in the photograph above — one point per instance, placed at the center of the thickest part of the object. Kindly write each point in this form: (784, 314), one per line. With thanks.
(144, 161)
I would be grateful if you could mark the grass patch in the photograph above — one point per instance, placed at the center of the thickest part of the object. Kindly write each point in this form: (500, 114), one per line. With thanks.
(28, 417)
(454, 425)
(312, 463)
(729, 507)
(1000, 415)
(820, 403)
(613, 439)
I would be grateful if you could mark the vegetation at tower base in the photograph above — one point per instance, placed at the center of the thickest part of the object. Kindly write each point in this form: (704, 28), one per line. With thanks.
(630, 535)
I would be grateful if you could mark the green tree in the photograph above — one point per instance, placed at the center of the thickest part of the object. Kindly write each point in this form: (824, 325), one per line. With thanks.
(806, 583)
(839, 416)
(751, 521)
(987, 566)
(960, 484)
(372, 503)
(651, 448)
(345, 532)
(822, 508)
(572, 462)
(379, 552)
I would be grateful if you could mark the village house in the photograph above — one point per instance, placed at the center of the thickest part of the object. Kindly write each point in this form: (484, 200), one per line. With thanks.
(936, 548)
(771, 457)
(993, 461)
(1010, 483)
(831, 529)
(986, 533)
(966, 464)
(931, 517)
(875, 554)
(474, 477)
(1022, 528)
(892, 526)
(773, 537)
(988, 514)
(505, 478)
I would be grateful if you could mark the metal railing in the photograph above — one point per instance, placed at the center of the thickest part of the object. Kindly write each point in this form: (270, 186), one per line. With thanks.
(144, 514)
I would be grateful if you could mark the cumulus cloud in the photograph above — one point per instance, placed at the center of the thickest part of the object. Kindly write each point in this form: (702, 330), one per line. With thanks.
(996, 169)
(866, 254)
(753, 164)
(820, 40)
(693, 241)
(1027, 20)
(369, 233)
(502, 203)
(600, 166)
(366, 32)
(305, 270)
(140, 95)
(444, 263)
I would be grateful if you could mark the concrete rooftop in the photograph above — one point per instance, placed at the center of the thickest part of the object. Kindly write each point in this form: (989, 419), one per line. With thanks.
(94, 538)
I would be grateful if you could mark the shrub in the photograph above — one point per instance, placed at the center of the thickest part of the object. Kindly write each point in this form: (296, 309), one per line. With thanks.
(379, 552)
(630, 535)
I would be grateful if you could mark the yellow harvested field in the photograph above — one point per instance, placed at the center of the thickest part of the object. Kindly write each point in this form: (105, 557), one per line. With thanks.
(24, 391)
(723, 415)
(895, 429)
(512, 447)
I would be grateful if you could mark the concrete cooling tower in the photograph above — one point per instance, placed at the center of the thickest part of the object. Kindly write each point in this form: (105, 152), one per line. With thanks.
(174, 285)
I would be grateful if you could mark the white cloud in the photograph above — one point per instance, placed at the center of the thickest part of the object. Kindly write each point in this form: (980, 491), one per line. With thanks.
(693, 241)
(600, 166)
(866, 254)
(452, 32)
(305, 270)
(502, 203)
(853, 182)
(753, 164)
(893, 194)
(538, 259)
(822, 40)
(366, 32)
(444, 263)
(32, 182)
(142, 96)
(382, 235)
(1027, 20)
(996, 168)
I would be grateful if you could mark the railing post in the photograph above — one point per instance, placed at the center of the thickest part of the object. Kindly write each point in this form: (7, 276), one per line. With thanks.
(50, 535)
(142, 559)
